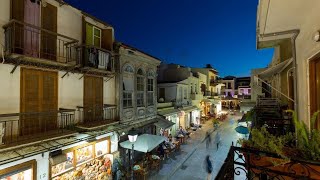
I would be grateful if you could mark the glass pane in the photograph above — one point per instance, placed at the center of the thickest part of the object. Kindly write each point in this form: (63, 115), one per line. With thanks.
(59, 168)
(25, 175)
(96, 41)
(97, 32)
(101, 148)
(84, 154)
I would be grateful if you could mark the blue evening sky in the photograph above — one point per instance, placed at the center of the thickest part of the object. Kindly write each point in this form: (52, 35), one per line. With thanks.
(187, 32)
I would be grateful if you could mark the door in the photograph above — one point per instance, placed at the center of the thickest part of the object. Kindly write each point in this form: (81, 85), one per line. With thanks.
(93, 99)
(49, 40)
(314, 83)
(291, 90)
(39, 93)
(162, 93)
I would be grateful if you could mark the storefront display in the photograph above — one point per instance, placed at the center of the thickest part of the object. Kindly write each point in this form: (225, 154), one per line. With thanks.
(84, 154)
(24, 171)
(63, 167)
(91, 162)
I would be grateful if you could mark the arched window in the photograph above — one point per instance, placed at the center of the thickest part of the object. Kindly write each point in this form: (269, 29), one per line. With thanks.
(140, 88)
(128, 68)
(150, 89)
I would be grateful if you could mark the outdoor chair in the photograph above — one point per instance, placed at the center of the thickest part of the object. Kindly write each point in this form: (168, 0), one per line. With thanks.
(155, 165)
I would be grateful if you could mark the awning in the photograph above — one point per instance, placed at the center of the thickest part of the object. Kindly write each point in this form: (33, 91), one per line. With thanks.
(275, 69)
(168, 112)
(163, 123)
(145, 143)
(190, 108)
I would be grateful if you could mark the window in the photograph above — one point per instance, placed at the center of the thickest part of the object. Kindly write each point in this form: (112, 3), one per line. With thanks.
(127, 99)
(96, 37)
(249, 91)
(140, 88)
(150, 92)
(185, 93)
(93, 35)
(128, 69)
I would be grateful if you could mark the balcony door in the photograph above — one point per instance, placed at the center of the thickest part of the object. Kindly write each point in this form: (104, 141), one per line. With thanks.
(314, 83)
(93, 99)
(39, 93)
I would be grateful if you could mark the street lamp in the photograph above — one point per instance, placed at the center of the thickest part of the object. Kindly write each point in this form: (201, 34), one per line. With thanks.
(132, 136)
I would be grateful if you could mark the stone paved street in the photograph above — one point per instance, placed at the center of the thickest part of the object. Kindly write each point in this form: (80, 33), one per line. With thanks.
(189, 163)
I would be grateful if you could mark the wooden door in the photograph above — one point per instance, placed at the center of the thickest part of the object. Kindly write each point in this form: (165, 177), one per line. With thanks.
(93, 99)
(314, 83)
(49, 40)
(39, 93)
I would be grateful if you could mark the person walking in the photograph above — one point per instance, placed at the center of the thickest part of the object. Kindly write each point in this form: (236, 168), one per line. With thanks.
(217, 139)
(209, 167)
(208, 142)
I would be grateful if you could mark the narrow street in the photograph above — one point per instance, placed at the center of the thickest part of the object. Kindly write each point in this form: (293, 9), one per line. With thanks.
(194, 167)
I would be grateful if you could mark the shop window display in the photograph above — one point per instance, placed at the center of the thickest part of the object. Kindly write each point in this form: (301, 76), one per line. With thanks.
(20, 175)
(84, 154)
(92, 163)
(62, 167)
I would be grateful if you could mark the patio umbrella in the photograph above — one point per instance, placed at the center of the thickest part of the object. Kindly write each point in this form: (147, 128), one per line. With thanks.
(242, 130)
(145, 143)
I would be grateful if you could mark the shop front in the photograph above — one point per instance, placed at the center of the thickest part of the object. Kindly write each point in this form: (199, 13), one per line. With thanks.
(192, 115)
(91, 160)
(173, 116)
(205, 107)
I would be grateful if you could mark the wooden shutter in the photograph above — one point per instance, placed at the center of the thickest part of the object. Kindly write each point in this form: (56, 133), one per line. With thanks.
(107, 39)
(89, 34)
(39, 93)
(30, 101)
(49, 101)
(17, 13)
(49, 41)
(314, 83)
(93, 98)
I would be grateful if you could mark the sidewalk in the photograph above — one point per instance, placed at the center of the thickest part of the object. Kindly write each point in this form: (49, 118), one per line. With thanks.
(170, 166)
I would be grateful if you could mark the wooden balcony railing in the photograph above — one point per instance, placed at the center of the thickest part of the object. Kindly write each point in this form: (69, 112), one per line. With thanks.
(32, 41)
(99, 115)
(19, 127)
(91, 56)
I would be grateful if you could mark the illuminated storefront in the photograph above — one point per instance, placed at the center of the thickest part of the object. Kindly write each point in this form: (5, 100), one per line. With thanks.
(24, 171)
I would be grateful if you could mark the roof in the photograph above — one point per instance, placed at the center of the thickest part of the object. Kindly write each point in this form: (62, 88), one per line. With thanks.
(135, 49)
(173, 82)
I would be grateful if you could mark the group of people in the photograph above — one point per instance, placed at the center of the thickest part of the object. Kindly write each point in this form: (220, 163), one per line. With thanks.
(208, 139)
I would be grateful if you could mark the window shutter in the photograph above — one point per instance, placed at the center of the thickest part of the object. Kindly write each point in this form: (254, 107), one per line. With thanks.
(49, 41)
(107, 39)
(89, 34)
(17, 10)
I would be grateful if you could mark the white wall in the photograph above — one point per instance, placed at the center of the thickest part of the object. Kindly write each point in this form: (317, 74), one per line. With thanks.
(109, 91)
(10, 89)
(70, 90)
(4, 18)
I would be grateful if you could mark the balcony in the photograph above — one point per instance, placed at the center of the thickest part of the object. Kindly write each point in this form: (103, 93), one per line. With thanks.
(95, 117)
(94, 57)
(196, 96)
(38, 46)
(244, 96)
(19, 128)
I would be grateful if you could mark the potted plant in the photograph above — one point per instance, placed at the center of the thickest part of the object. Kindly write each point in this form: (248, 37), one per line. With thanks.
(297, 153)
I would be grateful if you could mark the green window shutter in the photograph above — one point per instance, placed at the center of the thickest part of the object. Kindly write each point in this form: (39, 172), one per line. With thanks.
(89, 34)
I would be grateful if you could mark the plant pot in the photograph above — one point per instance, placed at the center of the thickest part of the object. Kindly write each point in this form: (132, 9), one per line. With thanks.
(289, 169)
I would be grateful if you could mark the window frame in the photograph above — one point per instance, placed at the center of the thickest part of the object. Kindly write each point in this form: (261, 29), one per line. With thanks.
(150, 88)
(125, 98)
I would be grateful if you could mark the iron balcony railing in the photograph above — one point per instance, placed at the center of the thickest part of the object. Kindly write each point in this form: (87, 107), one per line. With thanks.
(247, 163)
(95, 57)
(244, 96)
(33, 41)
(97, 115)
(18, 127)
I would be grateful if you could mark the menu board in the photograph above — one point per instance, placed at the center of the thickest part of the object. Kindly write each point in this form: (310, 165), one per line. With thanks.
(84, 154)
(101, 148)
(62, 167)
(22, 175)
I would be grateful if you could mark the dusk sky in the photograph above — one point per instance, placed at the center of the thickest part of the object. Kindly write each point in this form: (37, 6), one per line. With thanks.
(187, 32)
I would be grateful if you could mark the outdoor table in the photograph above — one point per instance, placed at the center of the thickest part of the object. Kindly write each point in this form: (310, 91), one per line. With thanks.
(181, 138)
